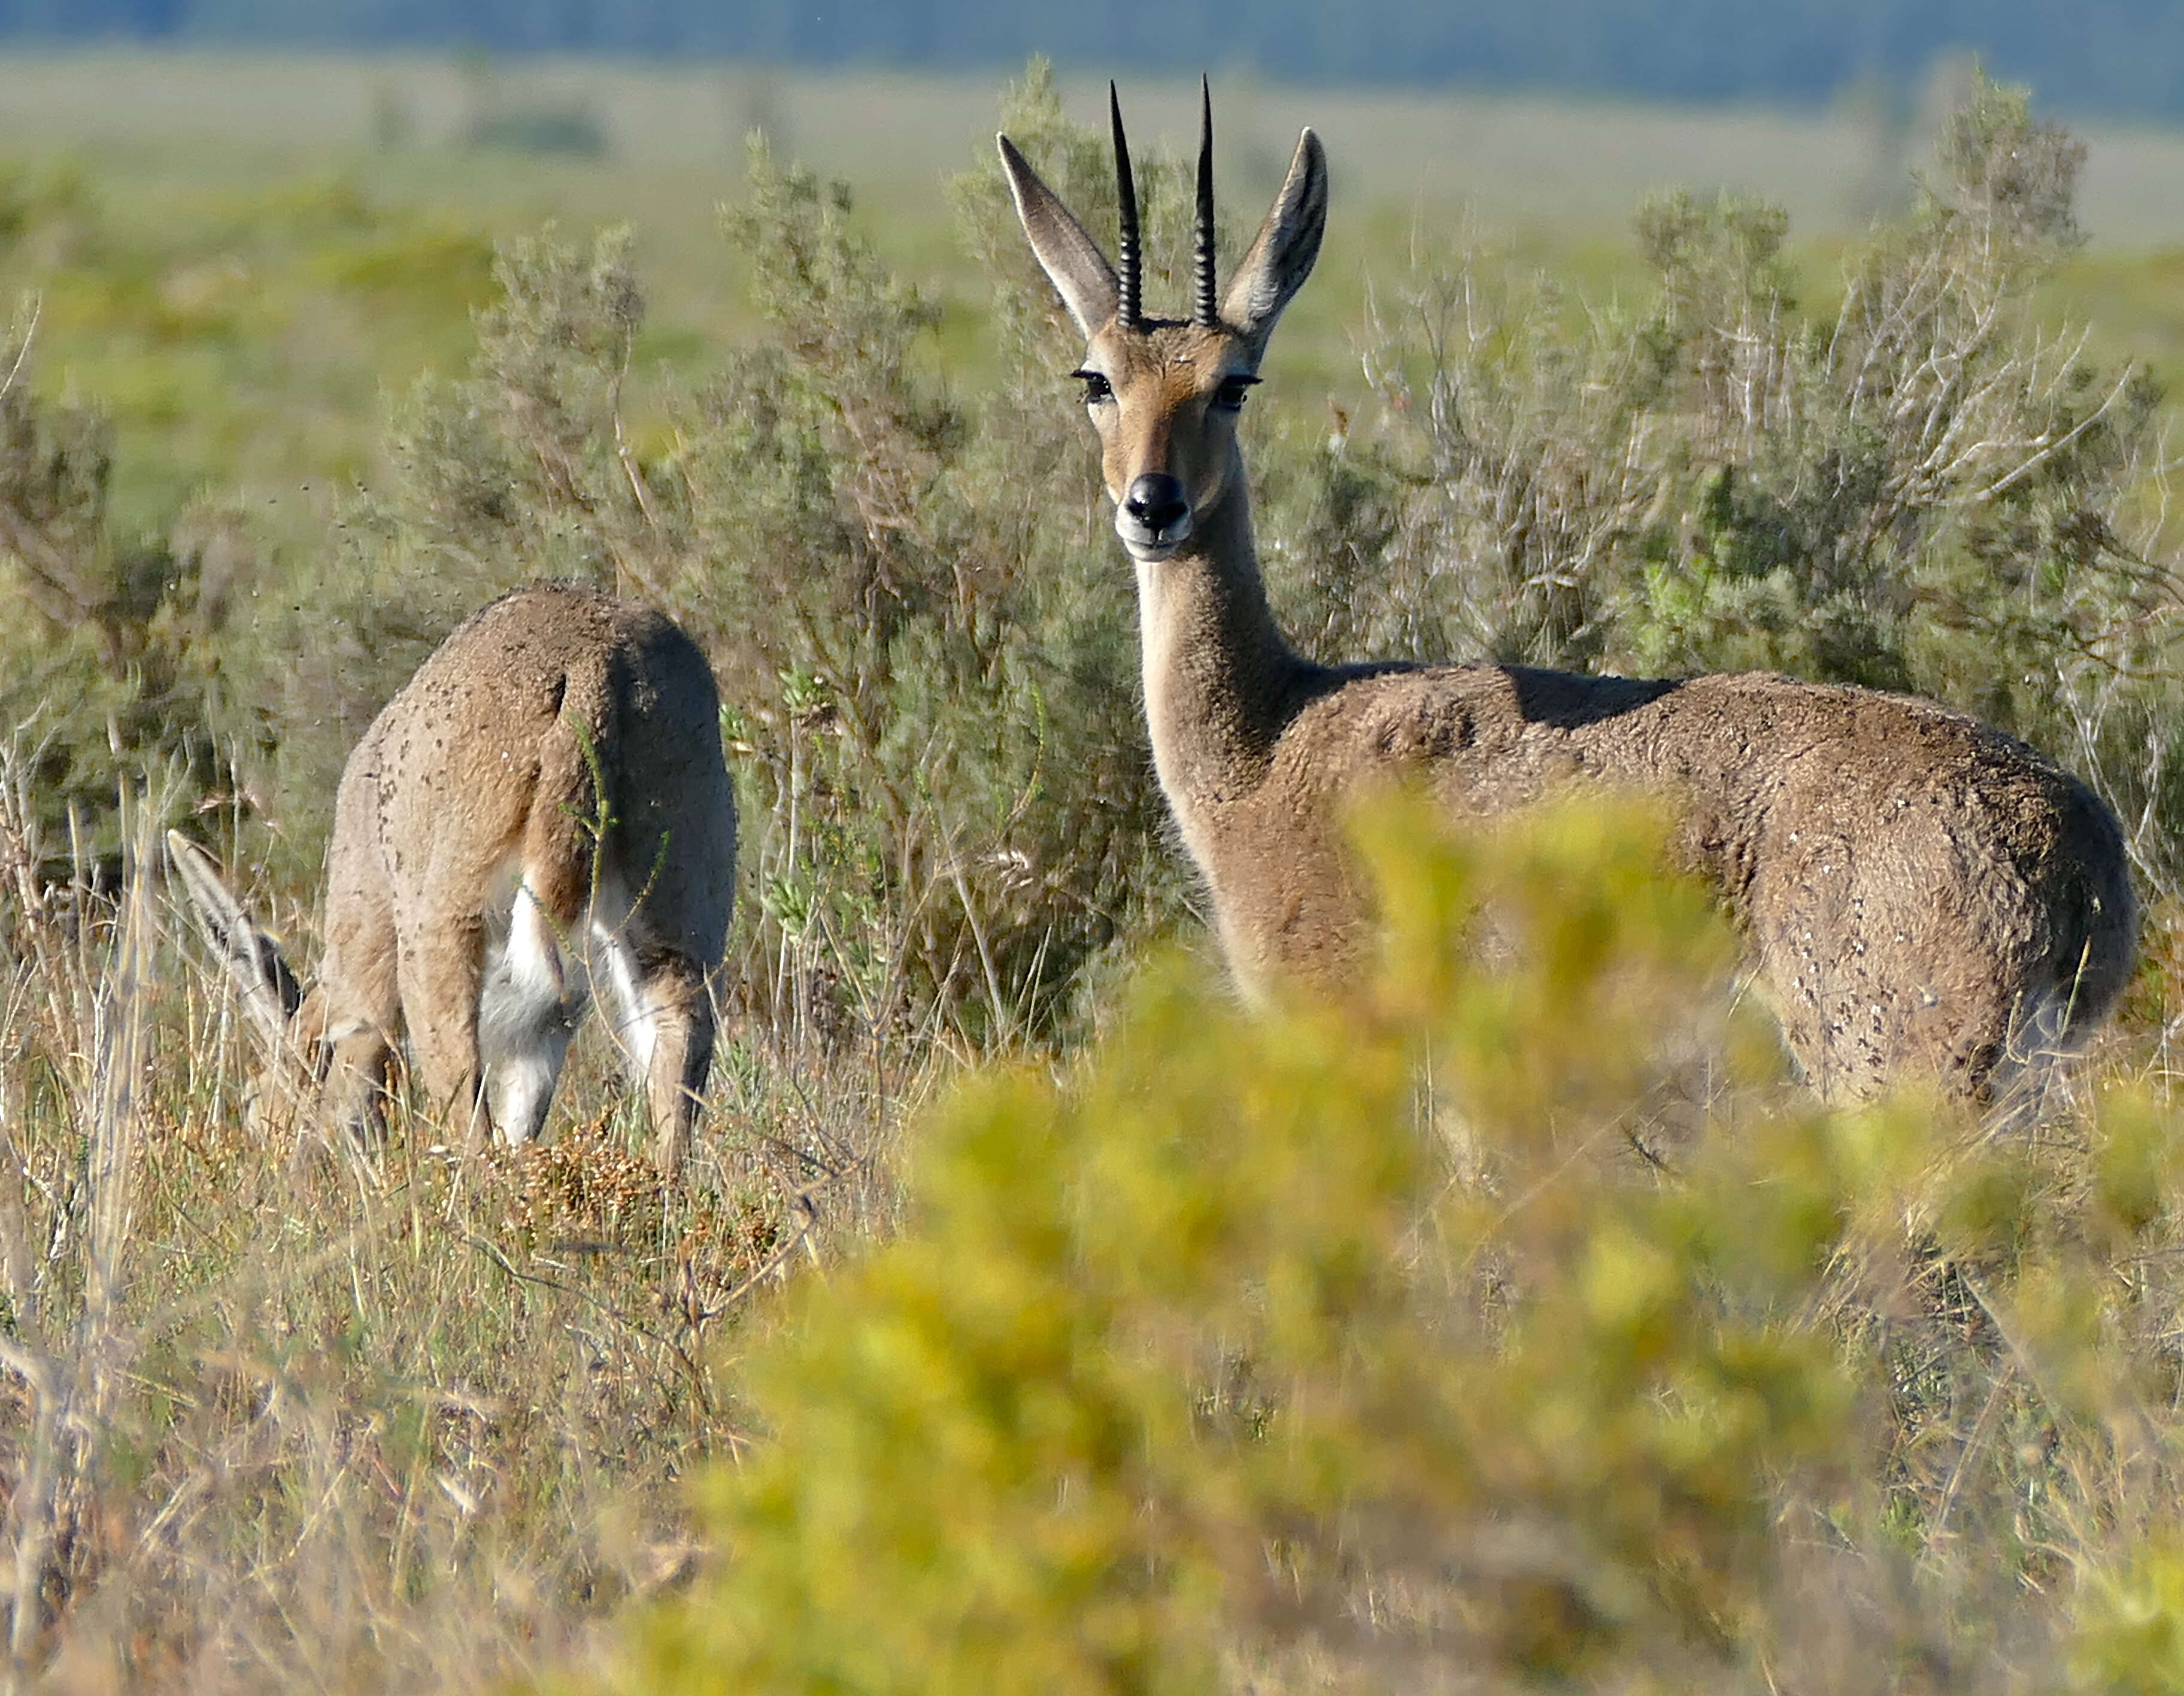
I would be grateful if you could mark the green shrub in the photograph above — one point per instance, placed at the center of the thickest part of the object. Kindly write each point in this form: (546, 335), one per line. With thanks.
(1415, 1343)
(924, 631)
(1916, 488)
(107, 667)
(141, 363)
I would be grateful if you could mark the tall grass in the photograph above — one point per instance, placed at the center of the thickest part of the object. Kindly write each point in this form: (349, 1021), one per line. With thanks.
(344, 1425)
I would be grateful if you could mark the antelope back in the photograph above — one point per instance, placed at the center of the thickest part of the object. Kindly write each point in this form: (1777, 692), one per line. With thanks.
(545, 802)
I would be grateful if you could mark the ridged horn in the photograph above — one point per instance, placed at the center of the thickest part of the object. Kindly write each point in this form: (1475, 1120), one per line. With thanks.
(1128, 252)
(1204, 294)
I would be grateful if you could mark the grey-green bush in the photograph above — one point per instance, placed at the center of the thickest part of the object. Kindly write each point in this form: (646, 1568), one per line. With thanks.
(1918, 489)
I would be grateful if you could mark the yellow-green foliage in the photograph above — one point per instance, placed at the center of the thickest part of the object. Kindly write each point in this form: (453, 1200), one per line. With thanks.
(1510, 1325)
(1509, 1318)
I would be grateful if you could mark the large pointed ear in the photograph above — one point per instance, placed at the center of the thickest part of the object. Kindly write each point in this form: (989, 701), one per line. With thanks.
(1281, 258)
(252, 961)
(1070, 257)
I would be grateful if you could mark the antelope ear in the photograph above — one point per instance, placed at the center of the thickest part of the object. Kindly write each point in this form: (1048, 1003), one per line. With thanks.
(252, 961)
(1281, 258)
(1071, 259)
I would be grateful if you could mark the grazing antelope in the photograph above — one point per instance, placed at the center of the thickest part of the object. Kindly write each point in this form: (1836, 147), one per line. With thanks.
(1919, 894)
(543, 804)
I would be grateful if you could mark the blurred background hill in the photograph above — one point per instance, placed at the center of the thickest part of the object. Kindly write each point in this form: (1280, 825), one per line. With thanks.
(2104, 56)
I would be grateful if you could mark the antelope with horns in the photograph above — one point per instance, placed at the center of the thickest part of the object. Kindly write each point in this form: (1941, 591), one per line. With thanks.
(543, 805)
(1918, 893)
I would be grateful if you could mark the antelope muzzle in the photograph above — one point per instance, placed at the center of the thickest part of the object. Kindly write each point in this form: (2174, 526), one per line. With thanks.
(1153, 517)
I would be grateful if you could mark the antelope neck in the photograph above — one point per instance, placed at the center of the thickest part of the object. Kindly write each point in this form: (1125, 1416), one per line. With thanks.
(1221, 684)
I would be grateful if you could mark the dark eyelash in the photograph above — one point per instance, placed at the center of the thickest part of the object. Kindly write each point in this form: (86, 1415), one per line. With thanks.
(1096, 386)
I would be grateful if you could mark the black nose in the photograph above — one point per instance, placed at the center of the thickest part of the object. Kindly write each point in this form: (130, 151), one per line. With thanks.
(1157, 501)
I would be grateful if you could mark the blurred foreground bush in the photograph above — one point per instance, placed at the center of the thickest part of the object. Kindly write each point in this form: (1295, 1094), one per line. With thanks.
(1509, 1327)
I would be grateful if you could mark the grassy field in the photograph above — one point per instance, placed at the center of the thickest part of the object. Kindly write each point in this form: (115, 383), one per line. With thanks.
(197, 288)
(1526, 163)
(1510, 1329)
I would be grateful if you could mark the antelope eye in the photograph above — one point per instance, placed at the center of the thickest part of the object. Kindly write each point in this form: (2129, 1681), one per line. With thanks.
(1229, 397)
(1097, 388)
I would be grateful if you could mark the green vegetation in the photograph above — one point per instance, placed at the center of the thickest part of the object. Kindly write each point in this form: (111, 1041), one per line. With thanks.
(1917, 487)
(1516, 1322)
(1411, 1344)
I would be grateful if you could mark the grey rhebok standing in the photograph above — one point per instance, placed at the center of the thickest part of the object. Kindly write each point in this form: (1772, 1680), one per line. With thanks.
(543, 804)
(1919, 894)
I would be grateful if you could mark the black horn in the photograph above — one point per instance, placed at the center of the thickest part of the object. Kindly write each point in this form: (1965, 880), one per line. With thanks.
(1205, 292)
(1128, 252)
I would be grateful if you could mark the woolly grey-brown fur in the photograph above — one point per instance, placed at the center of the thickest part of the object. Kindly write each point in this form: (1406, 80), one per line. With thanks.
(1919, 894)
(483, 775)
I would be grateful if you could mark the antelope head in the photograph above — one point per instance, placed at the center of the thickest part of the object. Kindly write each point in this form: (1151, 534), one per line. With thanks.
(1164, 393)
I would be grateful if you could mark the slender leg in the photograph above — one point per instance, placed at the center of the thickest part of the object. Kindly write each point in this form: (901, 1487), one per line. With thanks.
(438, 970)
(356, 1013)
(663, 1026)
(674, 850)
(682, 1055)
(354, 1104)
